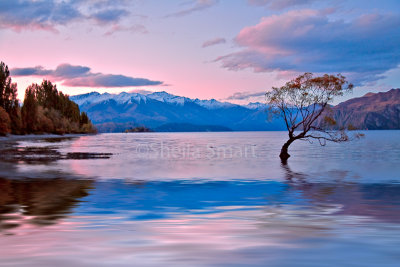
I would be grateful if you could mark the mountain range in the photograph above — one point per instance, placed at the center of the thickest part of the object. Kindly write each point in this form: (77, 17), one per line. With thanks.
(373, 111)
(162, 111)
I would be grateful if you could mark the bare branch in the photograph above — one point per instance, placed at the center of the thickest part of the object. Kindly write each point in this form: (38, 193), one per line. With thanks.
(302, 101)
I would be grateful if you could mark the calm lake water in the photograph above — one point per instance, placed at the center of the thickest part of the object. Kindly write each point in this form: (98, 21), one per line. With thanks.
(199, 199)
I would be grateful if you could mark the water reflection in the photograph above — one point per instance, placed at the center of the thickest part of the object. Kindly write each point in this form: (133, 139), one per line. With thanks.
(241, 214)
(38, 201)
(46, 201)
(200, 223)
(379, 201)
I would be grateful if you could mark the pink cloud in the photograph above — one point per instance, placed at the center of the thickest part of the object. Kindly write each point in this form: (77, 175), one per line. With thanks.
(280, 4)
(264, 37)
(137, 28)
(311, 41)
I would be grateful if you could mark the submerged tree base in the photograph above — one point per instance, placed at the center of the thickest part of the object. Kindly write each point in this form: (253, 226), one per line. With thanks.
(284, 156)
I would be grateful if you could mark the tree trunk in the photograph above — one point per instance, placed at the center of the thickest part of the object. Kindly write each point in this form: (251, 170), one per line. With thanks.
(284, 151)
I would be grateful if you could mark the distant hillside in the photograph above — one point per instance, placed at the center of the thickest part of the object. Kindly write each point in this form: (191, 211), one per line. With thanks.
(187, 127)
(110, 112)
(373, 111)
(161, 111)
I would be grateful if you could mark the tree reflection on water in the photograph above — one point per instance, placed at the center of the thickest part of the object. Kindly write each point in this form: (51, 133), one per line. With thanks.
(39, 201)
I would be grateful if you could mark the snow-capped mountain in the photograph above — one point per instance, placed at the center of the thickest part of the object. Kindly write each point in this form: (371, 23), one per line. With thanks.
(213, 104)
(94, 97)
(122, 98)
(159, 108)
(256, 105)
(168, 98)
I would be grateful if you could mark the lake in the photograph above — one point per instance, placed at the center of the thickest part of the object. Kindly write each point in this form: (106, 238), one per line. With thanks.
(199, 199)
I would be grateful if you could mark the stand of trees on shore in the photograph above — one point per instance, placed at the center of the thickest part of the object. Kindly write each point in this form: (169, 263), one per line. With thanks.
(138, 129)
(44, 110)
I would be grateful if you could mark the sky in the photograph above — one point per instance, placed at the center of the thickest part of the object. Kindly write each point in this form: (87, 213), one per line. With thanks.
(230, 50)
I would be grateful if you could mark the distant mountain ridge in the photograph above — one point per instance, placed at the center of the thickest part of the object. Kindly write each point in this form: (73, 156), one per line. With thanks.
(124, 97)
(373, 111)
(187, 127)
(111, 112)
(167, 112)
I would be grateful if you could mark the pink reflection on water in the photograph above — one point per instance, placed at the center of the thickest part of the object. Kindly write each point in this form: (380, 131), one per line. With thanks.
(172, 156)
(231, 237)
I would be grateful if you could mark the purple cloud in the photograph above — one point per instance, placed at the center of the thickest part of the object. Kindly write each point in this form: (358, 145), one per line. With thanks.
(198, 5)
(48, 14)
(215, 41)
(245, 95)
(307, 40)
(82, 76)
(35, 71)
(111, 15)
(280, 4)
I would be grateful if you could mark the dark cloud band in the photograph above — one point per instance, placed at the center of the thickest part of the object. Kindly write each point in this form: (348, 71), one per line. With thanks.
(81, 76)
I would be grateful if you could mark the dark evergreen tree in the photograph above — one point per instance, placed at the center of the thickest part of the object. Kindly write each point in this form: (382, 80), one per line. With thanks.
(84, 119)
(29, 110)
(8, 98)
(4, 122)
(47, 95)
(5, 82)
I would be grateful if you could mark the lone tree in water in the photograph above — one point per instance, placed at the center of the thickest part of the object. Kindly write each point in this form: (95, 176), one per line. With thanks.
(302, 101)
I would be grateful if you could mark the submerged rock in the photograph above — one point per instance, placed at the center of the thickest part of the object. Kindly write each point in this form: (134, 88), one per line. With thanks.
(38, 155)
(85, 155)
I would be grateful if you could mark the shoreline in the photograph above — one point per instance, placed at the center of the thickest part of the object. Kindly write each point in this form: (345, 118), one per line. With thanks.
(13, 137)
